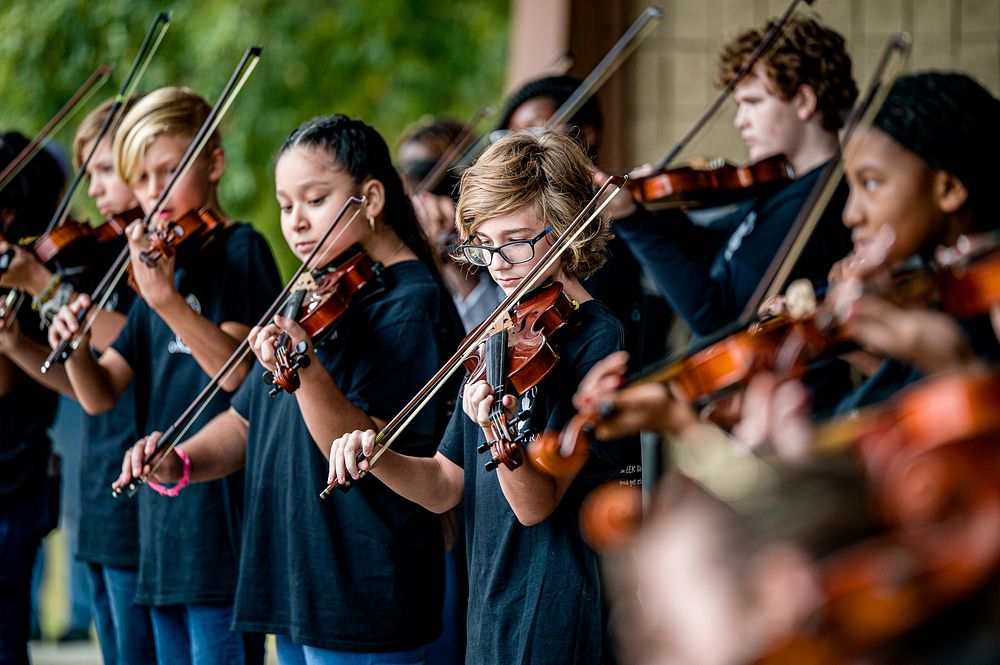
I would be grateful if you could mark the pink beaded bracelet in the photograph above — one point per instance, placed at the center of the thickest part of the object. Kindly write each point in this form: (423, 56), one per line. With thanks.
(181, 484)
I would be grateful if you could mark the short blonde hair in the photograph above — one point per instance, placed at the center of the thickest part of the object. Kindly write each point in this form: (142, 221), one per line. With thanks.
(176, 111)
(91, 126)
(548, 172)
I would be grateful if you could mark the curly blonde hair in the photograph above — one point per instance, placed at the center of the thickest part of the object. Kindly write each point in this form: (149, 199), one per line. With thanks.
(806, 53)
(548, 172)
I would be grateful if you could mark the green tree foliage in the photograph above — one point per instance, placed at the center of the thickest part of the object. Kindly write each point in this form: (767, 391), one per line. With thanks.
(389, 62)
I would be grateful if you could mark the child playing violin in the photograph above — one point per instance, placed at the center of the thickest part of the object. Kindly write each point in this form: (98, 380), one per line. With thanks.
(106, 539)
(26, 410)
(361, 575)
(191, 317)
(534, 591)
(917, 182)
(792, 103)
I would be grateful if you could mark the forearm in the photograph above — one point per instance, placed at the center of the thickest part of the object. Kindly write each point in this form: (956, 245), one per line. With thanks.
(106, 328)
(211, 345)
(29, 356)
(431, 482)
(326, 410)
(532, 495)
(91, 382)
(219, 448)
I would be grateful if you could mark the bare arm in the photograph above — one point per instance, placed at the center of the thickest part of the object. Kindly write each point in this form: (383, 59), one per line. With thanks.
(436, 483)
(326, 410)
(211, 344)
(97, 383)
(216, 451)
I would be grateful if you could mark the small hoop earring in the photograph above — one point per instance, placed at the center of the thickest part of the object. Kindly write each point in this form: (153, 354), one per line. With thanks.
(371, 223)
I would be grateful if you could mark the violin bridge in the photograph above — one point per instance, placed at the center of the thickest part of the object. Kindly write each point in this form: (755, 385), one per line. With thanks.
(305, 282)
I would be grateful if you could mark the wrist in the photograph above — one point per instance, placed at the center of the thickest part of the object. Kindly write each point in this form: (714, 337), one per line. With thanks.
(38, 278)
(182, 481)
(168, 303)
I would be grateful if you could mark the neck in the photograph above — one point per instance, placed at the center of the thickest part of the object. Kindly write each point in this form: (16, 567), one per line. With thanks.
(574, 289)
(385, 247)
(817, 146)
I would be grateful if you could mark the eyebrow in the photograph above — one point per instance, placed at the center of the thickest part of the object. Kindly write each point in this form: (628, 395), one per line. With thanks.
(308, 184)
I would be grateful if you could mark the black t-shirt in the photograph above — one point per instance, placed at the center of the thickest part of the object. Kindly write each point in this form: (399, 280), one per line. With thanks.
(534, 592)
(361, 571)
(25, 414)
(708, 274)
(189, 544)
(108, 526)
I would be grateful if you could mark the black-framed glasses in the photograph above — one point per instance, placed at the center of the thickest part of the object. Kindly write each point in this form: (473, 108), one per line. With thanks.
(513, 252)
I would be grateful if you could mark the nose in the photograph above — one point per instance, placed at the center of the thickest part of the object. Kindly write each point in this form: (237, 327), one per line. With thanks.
(740, 121)
(95, 188)
(852, 215)
(154, 187)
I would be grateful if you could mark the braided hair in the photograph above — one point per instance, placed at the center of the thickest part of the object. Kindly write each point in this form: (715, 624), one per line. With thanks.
(951, 122)
(31, 198)
(358, 150)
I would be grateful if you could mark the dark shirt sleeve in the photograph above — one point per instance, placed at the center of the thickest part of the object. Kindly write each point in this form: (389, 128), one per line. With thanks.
(678, 255)
(252, 280)
(125, 343)
(453, 442)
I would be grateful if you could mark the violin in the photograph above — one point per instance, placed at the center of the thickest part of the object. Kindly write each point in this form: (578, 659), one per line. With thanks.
(933, 463)
(73, 243)
(192, 230)
(515, 359)
(710, 183)
(317, 301)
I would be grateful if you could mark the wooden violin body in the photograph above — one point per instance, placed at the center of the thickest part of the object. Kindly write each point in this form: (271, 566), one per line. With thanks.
(933, 462)
(713, 183)
(74, 243)
(517, 358)
(322, 298)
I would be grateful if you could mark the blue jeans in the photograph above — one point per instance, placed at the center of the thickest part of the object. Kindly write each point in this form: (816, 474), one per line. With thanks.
(201, 635)
(22, 526)
(124, 629)
(290, 653)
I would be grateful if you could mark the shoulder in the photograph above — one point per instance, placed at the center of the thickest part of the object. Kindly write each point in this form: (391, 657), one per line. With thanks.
(594, 332)
(240, 238)
(410, 291)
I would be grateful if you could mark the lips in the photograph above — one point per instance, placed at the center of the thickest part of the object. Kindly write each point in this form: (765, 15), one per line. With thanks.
(304, 247)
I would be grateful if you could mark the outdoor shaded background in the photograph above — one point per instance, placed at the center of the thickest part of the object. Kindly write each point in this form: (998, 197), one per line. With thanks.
(385, 61)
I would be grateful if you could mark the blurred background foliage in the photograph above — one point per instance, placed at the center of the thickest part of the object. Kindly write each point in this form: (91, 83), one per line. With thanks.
(389, 62)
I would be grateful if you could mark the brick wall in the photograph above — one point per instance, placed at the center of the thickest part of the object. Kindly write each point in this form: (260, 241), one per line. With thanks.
(669, 80)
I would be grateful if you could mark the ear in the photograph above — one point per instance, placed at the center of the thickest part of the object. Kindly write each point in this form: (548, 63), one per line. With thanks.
(216, 165)
(949, 192)
(784, 589)
(374, 192)
(805, 102)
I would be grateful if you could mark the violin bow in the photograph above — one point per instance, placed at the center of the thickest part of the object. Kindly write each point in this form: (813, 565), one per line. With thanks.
(85, 92)
(119, 268)
(891, 62)
(765, 44)
(172, 437)
(147, 49)
(480, 333)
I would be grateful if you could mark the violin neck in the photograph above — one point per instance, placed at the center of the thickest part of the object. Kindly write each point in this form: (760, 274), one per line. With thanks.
(497, 364)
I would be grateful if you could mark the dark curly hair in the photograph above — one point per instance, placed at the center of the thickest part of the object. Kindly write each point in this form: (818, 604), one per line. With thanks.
(806, 53)
(361, 152)
(950, 121)
(30, 199)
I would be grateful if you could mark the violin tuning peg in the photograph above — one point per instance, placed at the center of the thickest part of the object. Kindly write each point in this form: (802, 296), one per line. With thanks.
(267, 378)
(483, 447)
(491, 465)
(301, 348)
(303, 362)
